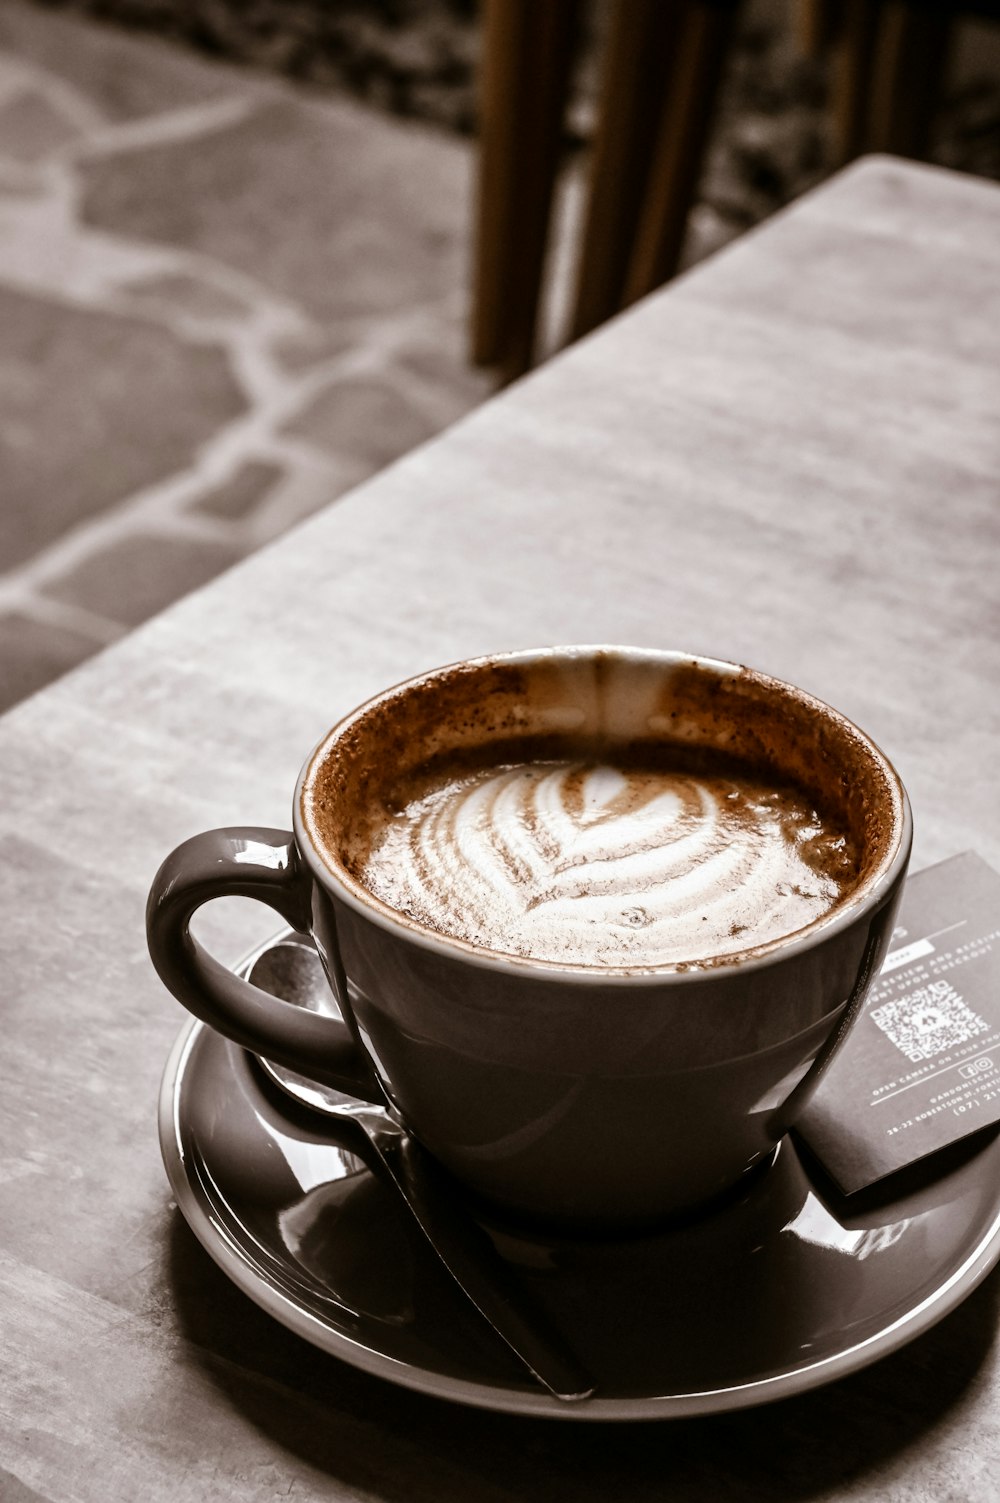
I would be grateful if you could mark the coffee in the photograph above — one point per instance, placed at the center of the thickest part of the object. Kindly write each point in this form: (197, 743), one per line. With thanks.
(674, 858)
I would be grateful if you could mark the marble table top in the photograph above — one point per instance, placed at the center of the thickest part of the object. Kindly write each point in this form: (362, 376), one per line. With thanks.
(790, 457)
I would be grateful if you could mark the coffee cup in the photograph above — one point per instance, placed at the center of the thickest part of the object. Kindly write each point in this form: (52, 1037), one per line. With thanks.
(596, 920)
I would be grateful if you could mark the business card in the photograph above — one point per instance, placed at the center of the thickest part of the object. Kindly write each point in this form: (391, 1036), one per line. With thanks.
(921, 1068)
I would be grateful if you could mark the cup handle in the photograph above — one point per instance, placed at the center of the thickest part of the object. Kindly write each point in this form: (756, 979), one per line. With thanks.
(251, 863)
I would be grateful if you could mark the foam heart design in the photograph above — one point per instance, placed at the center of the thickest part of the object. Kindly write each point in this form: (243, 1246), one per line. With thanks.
(609, 865)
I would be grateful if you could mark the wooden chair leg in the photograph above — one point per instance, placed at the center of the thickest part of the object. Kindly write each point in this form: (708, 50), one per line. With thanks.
(854, 78)
(527, 50)
(630, 107)
(701, 48)
(817, 26)
(913, 51)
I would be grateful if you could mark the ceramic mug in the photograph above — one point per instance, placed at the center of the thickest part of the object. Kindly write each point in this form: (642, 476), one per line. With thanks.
(587, 1095)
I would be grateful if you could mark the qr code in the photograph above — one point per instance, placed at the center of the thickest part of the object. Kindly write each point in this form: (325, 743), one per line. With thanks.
(929, 1021)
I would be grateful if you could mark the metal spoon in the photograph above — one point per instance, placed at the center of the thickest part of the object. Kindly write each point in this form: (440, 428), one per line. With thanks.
(290, 968)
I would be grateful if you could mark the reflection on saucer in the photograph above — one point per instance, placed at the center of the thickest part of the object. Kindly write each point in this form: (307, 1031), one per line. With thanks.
(348, 1236)
(815, 1224)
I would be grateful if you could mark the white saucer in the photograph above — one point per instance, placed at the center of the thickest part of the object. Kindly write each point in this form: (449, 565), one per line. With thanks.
(777, 1293)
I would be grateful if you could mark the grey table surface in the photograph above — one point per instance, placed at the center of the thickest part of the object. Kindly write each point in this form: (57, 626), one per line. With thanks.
(791, 457)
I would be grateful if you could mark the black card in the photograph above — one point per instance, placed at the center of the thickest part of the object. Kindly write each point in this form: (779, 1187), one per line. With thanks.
(921, 1069)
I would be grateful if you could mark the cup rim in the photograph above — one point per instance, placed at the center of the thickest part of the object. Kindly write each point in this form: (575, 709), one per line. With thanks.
(867, 899)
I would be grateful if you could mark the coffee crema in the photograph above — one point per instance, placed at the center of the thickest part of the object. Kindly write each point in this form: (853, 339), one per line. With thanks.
(608, 863)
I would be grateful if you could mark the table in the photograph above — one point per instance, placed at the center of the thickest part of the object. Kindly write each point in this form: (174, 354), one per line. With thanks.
(789, 457)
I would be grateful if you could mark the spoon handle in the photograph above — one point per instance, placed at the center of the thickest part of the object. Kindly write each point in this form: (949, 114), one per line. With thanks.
(468, 1253)
(291, 968)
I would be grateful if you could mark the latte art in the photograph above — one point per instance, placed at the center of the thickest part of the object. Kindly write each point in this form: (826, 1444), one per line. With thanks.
(605, 865)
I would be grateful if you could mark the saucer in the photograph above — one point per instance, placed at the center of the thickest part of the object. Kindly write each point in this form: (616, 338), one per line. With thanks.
(778, 1292)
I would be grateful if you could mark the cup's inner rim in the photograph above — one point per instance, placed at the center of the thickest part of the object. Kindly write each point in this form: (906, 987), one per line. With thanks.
(328, 863)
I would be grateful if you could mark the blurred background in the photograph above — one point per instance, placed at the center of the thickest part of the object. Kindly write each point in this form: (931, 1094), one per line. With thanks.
(252, 251)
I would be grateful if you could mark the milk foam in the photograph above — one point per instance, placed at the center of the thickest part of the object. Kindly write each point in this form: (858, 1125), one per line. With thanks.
(602, 865)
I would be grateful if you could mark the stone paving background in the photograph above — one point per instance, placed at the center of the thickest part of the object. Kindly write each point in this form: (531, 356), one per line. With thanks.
(222, 304)
(226, 298)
